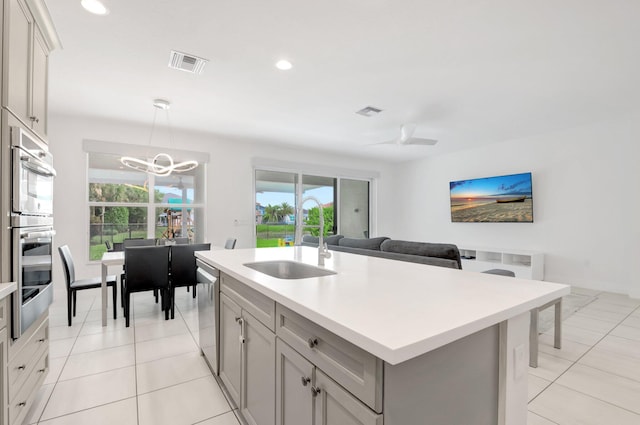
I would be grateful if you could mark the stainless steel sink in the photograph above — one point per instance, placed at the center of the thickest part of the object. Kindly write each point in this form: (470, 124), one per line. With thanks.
(283, 269)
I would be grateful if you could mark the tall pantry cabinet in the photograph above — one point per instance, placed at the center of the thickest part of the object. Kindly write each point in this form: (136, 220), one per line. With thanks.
(28, 36)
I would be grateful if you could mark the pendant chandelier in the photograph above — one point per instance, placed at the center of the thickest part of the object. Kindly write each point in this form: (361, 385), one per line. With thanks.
(162, 164)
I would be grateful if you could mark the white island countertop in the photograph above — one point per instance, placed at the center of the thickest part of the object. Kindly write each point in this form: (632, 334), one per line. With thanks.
(392, 309)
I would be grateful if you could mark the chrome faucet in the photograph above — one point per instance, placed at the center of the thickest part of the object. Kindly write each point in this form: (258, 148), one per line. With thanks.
(323, 251)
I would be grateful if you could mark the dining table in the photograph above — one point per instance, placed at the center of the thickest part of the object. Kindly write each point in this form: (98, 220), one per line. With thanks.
(109, 258)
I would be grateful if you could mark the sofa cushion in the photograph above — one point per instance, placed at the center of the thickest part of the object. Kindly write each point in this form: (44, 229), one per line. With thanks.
(431, 261)
(373, 243)
(439, 250)
(308, 240)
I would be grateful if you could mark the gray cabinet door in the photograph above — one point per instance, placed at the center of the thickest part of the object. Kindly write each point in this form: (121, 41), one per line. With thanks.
(294, 379)
(230, 346)
(336, 406)
(258, 372)
(39, 85)
(17, 75)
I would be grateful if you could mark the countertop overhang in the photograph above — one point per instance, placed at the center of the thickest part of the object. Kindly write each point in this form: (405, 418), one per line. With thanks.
(7, 289)
(395, 310)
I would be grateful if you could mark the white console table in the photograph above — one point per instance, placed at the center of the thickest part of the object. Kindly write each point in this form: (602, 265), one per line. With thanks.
(525, 264)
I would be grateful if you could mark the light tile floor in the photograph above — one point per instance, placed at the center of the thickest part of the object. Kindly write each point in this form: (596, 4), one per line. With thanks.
(595, 378)
(153, 373)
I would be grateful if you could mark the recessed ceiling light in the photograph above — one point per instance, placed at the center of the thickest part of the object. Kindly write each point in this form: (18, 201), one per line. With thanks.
(284, 65)
(96, 7)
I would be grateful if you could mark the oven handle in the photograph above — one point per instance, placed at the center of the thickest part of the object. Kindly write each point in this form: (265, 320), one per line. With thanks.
(33, 235)
(35, 164)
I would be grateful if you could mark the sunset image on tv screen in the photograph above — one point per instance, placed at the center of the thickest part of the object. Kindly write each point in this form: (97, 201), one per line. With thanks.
(492, 199)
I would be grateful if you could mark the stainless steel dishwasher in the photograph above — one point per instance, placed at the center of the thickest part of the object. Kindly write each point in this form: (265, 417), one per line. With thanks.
(208, 316)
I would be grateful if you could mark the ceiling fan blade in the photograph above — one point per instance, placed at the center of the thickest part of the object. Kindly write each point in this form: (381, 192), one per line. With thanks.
(406, 131)
(420, 141)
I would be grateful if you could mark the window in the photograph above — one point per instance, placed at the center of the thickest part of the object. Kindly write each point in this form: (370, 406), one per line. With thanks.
(345, 204)
(125, 203)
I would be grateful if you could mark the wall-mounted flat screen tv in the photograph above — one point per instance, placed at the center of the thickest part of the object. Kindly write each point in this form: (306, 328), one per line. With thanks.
(500, 199)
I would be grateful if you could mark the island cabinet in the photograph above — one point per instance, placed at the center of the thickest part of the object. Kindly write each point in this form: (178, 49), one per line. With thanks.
(25, 76)
(353, 368)
(248, 350)
(377, 343)
(306, 396)
(304, 374)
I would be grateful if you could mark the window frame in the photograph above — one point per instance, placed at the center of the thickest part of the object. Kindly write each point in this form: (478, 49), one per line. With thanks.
(150, 205)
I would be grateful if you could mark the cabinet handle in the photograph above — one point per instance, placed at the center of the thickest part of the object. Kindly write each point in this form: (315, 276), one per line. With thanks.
(315, 391)
(41, 370)
(305, 381)
(312, 342)
(22, 404)
(41, 340)
(22, 367)
(34, 119)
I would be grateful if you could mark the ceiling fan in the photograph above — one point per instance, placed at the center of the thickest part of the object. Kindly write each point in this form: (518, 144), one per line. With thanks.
(406, 138)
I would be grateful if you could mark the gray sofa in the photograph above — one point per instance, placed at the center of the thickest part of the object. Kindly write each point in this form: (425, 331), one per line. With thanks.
(434, 254)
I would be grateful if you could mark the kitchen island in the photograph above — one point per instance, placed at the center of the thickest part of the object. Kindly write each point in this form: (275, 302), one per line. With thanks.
(379, 341)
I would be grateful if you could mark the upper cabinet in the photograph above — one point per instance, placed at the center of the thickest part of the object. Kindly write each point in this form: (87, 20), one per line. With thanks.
(28, 37)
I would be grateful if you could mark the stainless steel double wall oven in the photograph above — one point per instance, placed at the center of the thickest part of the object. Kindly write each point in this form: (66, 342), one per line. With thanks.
(31, 229)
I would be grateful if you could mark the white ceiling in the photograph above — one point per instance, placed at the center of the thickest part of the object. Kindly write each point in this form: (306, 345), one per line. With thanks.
(468, 72)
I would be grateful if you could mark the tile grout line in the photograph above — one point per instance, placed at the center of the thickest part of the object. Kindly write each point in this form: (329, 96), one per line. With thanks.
(66, 359)
(584, 354)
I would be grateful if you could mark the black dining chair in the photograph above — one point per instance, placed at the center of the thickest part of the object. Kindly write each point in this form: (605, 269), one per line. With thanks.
(183, 268)
(73, 285)
(128, 243)
(146, 268)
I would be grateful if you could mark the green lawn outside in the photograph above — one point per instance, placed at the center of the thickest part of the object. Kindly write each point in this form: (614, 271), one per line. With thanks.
(266, 243)
(97, 245)
(268, 235)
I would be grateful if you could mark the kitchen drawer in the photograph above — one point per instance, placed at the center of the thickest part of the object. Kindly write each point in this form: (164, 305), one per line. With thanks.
(21, 364)
(21, 403)
(353, 368)
(3, 313)
(260, 306)
(19, 371)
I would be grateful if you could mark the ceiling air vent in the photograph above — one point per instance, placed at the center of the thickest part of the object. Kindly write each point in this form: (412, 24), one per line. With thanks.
(186, 62)
(369, 111)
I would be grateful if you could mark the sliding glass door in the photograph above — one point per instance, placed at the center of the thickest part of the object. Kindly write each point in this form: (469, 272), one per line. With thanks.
(354, 208)
(278, 194)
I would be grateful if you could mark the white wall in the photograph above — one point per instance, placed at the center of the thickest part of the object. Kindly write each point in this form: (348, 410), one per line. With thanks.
(229, 180)
(585, 194)
(586, 201)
